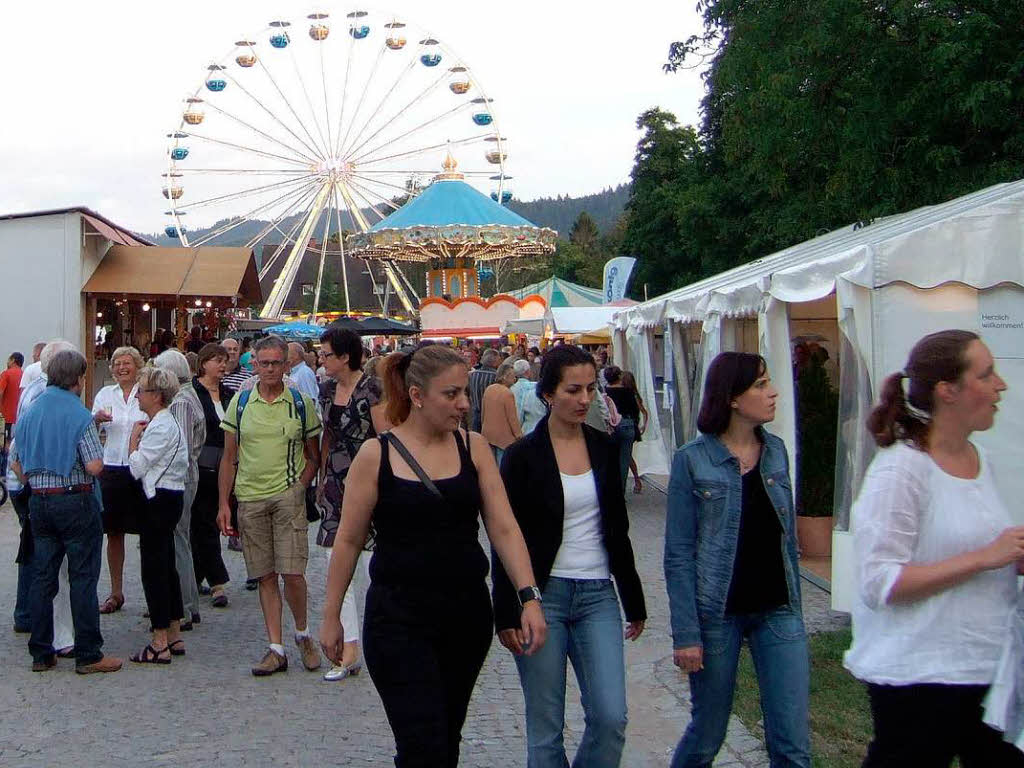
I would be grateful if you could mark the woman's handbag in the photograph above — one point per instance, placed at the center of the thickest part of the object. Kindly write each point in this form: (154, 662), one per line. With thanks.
(209, 457)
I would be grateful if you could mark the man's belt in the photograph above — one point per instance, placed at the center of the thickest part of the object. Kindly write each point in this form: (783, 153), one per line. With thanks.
(80, 488)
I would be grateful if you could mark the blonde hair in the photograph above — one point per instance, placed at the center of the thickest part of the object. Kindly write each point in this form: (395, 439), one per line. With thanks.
(159, 380)
(131, 352)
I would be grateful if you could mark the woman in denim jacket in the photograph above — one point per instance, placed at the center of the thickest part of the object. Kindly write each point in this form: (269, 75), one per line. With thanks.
(731, 567)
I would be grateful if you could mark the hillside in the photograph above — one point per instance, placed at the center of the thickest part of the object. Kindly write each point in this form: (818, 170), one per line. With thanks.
(558, 213)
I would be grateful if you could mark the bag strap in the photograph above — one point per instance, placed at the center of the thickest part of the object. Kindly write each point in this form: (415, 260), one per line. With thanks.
(243, 400)
(300, 407)
(174, 455)
(414, 465)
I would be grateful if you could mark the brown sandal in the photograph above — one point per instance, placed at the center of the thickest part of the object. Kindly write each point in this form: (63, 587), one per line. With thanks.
(112, 604)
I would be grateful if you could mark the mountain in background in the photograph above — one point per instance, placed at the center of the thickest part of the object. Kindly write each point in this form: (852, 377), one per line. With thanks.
(558, 213)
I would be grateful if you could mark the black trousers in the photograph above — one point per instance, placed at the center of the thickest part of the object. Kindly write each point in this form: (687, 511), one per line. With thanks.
(205, 535)
(156, 552)
(424, 661)
(927, 725)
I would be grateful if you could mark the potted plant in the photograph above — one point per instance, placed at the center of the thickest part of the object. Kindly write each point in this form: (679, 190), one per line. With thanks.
(817, 417)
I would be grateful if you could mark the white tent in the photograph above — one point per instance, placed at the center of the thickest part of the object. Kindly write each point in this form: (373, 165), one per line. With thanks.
(880, 286)
(563, 321)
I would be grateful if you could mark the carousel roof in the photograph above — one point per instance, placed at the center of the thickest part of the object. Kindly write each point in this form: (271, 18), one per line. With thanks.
(451, 202)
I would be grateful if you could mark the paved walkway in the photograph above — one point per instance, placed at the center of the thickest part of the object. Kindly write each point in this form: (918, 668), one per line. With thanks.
(207, 710)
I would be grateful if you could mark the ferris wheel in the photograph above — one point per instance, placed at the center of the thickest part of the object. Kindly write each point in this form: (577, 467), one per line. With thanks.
(321, 126)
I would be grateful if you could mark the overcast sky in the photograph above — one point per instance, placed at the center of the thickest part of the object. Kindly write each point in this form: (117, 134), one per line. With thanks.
(91, 89)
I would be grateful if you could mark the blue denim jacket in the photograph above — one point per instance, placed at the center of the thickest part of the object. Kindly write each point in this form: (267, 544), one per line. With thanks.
(702, 529)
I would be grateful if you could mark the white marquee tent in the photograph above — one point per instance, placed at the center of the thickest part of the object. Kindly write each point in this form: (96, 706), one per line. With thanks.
(878, 288)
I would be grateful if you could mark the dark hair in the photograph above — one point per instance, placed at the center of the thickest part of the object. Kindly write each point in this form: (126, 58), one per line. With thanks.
(629, 382)
(412, 368)
(18, 358)
(210, 352)
(937, 357)
(729, 375)
(555, 362)
(345, 342)
(613, 374)
(65, 369)
(168, 340)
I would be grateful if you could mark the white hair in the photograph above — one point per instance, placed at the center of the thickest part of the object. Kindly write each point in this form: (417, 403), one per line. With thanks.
(521, 367)
(172, 360)
(50, 350)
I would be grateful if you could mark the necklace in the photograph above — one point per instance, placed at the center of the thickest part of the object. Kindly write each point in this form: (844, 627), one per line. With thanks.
(746, 464)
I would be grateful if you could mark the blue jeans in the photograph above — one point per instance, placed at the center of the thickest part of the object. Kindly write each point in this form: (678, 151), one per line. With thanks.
(625, 436)
(778, 644)
(66, 525)
(585, 627)
(22, 606)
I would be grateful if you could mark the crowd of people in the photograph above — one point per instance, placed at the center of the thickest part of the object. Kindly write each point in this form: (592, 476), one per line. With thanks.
(400, 454)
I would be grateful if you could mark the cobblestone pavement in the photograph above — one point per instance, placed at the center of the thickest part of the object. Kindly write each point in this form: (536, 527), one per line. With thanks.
(206, 709)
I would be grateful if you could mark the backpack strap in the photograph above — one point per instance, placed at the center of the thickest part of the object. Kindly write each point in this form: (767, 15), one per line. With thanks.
(300, 407)
(243, 400)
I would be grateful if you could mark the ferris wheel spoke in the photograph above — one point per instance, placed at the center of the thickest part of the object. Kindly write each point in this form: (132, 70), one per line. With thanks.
(342, 141)
(287, 238)
(264, 134)
(413, 152)
(277, 119)
(239, 171)
(429, 122)
(368, 191)
(401, 111)
(355, 190)
(287, 102)
(246, 192)
(283, 284)
(359, 221)
(341, 245)
(250, 215)
(309, 103)
(274, 224)
(376, 110)
(368, 180)
(323, 258)
(253, 150)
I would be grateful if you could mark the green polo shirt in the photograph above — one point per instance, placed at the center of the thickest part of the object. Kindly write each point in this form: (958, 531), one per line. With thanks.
(270, 455)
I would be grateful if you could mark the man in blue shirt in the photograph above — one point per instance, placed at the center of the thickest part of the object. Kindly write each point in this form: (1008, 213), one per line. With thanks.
(300, 373)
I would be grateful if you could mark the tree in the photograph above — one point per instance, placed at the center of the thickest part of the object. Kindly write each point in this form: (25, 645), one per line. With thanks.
(824, 113)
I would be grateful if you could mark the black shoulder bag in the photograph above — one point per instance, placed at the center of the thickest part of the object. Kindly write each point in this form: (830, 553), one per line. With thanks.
(414, 466)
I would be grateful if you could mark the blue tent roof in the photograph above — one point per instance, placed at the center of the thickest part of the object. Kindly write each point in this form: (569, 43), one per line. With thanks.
(561, 293)
(449, 202)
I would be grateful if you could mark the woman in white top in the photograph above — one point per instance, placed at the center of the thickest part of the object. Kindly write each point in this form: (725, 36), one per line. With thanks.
(564, 486)
(937, 561)
(115, 411)
(158, 456)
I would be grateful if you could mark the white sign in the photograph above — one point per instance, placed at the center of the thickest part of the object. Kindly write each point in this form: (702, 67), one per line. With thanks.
(1001, 321)
(616, 278)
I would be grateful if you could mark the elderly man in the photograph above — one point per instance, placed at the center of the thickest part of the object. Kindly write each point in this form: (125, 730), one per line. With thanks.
(271, 455)
(236, 375)
(63, 635)
(301, 373)
(530, 409)
(34, 370)
(58, 452)
(479, 380)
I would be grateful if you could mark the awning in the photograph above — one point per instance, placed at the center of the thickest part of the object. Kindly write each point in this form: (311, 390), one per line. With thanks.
(154, 272)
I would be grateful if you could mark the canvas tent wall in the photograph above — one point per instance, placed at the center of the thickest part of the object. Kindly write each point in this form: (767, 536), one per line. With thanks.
(959, 264)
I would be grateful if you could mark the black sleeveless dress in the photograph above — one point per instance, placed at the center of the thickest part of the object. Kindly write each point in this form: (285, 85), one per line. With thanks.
(428, 622)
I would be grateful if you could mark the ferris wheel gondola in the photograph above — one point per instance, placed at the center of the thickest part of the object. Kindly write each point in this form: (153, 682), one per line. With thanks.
(291, 137)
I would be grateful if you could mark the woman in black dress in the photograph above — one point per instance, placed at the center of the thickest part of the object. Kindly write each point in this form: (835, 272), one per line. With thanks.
(428, 618)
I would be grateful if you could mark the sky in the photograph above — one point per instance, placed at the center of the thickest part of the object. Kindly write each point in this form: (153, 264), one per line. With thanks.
(101, 84)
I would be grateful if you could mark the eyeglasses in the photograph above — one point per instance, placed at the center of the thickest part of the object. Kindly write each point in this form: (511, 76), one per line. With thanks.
(270, 363)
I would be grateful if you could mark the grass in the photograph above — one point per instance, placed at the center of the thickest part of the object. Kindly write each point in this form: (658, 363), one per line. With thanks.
(839, 712)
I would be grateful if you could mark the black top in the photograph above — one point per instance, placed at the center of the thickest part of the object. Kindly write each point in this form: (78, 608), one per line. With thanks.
(214, 434)
(534, 487)
(758, 575)
(421, 541)
(625, 402)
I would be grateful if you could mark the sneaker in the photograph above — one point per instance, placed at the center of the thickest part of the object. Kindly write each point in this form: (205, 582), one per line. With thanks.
(310, 653)
(48, 663)
(340, 672)
(106, 664)
(271, 663)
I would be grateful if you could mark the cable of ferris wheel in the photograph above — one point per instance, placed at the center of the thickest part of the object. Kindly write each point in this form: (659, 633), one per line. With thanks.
(354, 189)
(327, 106)
(245, 192)
(420, 151)
(341, 244)
(309, 103)
(401, 76)
(401, 111)
(249, 216)
(323, 258)
(366, 191)
(264, 134)
(283, 283)
(264, 107)
(403, 190)
(344, 93)
(302, 199)
(266, 71)
(238, 171)
(280, 248)
(359, 104)
(244, 148)
(448, 113)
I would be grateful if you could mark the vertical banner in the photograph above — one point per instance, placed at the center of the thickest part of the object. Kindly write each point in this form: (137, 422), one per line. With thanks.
(616, 278)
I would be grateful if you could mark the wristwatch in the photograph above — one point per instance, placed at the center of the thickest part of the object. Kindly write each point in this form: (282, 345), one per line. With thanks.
(526, 594)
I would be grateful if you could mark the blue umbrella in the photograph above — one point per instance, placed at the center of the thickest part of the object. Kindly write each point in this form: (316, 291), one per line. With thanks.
(295, 331)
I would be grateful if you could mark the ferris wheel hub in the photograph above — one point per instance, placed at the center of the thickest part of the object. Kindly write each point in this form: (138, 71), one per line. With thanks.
(333, 169)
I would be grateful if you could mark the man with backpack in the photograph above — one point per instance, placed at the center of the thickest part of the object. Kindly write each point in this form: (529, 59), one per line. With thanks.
(271, 455)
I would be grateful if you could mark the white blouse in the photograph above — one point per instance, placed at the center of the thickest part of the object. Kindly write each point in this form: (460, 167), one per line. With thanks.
(161, 460)
(119, 431)
(582, 554)
(911, 511)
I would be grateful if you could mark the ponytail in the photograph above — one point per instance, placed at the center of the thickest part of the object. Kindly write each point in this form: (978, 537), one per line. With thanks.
(907, 415)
